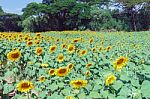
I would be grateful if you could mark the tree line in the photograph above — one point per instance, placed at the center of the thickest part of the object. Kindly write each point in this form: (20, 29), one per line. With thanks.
(95, 15)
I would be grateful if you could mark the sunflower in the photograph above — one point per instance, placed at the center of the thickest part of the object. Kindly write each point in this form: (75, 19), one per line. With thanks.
(37, 42)
(71, 48)
(25, 86)
(52, 48)
(38, 34)
(108, 48)
(110, 79)
(76, 40)
(100, 49)
(89, 65)
(87, 73)
(44, 65)
(70, 66)
(91, 40)
(82, 53)
(39, 50)
(70, 97)
(51, 72)
(62, 71)
(14, 55)
(94, 49)
(78, 83)
(60, 58)
(120, 62)
(29, 43)
(42, 79)
(26, 38)
(63, 46)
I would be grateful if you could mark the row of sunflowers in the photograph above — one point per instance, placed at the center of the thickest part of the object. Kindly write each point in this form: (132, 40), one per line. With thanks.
(75, 65)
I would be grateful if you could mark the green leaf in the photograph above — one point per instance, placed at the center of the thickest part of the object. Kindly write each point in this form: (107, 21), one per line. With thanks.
(94, 94)
(66, 91)
(117, 85)
(42, 95)
(145, 89)
(125, 91)
(135, 83)
(105, 94)
(82, 96)
(53, 87)
(61, 85)
(8, 88)
(121, 97)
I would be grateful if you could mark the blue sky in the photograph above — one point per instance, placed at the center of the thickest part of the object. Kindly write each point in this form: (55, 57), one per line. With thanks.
(15, 6)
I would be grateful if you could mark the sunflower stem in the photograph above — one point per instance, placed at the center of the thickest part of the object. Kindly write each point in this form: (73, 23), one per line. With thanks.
(28, 94)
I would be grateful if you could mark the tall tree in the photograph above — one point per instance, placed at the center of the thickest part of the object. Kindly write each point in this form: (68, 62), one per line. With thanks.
(1, 11)
(131, 7)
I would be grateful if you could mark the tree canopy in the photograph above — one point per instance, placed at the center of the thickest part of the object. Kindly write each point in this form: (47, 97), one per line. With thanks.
(97, 15)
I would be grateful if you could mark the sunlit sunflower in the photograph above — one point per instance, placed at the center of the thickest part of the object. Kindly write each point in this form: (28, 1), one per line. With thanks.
(120, 62)
(30, 62)
(42, 79)
(70, 97)
(82, 53)
(25, 86)
(26, 38)
(100, 49)
(52, 48)
(71, 48)
(70, 66)
(60, 58)
(39, 50)
(44, 65)
(110, 80)
(29, 43)
(94, 49)
(108, 48)
(89, 65)
(62, 71)
(14, 55)
(37, 42)
(38, 34)
(91, 40)
(76, 40)
(78, 83)
(52, 72)
(87, 73)
(63, 46)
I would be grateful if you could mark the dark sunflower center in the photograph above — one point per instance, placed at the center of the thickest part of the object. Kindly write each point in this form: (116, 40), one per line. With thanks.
(15, 55)
(53, 48)
(39, 50)
(70, 48)
(25, 85)
(78, 83)
(62, 71)
(75, 40)
(52, 71)
(89, 65)
(30, 43)
(61, 57)
(120, 61)
(42, 78)
(83, 52)
(70, 66)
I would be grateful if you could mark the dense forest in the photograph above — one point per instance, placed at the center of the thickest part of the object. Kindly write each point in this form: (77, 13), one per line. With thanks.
(95, 15)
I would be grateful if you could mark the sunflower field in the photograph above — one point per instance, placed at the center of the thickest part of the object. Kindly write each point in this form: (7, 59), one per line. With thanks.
(75, 65)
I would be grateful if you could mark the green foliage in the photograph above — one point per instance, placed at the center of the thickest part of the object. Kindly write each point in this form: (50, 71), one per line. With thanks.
(102, 20)
(130, 3)
(1, 11)
(10, 22)
(78, 15)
